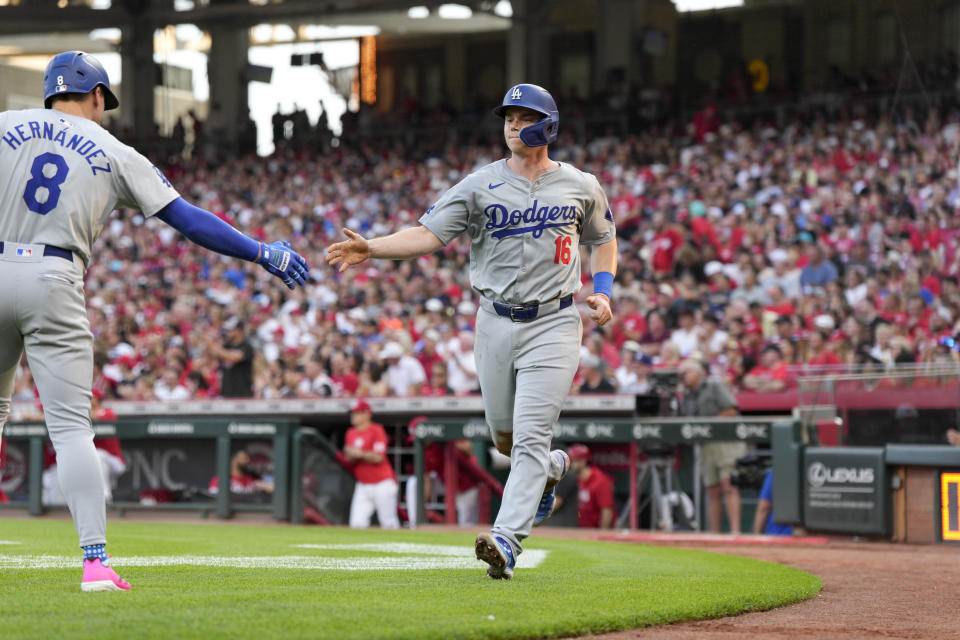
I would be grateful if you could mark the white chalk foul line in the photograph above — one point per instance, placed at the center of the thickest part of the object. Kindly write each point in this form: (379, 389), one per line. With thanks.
(529, 559)
(9, 542)
(409, 548)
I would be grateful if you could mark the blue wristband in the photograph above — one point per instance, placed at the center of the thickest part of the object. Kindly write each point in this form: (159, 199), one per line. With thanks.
(603, 283)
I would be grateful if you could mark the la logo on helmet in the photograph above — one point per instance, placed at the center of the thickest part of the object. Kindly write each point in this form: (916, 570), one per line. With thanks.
(517, 94)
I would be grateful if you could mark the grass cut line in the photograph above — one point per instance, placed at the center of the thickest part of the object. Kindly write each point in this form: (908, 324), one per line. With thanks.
(580, 587)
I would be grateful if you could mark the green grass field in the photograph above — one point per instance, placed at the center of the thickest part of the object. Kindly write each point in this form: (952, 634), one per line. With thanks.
(240, 581)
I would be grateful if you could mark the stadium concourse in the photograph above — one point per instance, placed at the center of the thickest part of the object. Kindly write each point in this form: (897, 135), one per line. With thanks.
(834, 238)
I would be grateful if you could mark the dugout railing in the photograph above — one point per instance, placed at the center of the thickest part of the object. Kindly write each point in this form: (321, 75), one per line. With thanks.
(637, 434)
(180, 428)
(292, 426)
(204, 443)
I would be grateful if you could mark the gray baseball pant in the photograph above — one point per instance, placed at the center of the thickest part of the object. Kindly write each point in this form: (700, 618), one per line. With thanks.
(525, 371)
(42, 310)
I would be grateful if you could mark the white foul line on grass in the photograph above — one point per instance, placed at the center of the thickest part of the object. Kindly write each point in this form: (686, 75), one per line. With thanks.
(465, 560)
(9, 542)
(527, 560)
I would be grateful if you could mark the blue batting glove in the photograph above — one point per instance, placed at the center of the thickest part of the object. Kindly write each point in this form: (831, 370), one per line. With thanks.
(285, 263)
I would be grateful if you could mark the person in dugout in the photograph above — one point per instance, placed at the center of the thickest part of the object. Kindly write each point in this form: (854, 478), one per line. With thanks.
(595, 494)
(468, 489)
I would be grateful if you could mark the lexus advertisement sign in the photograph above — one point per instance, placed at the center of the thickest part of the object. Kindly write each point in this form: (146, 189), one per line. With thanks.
(846, 490)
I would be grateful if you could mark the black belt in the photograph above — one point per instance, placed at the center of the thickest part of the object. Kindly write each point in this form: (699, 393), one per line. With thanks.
(50, 250)
(529, 311)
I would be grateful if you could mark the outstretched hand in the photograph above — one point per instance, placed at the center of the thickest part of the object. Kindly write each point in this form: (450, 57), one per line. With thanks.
(352, 251)
(601, 309)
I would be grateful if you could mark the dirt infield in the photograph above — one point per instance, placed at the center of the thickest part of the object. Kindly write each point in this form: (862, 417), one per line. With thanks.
(870, 590)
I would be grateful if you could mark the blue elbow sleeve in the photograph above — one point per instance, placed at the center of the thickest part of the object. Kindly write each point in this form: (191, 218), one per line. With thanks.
(208, 231)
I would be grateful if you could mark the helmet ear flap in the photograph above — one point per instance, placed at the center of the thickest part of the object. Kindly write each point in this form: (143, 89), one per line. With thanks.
(541, 133)
(538, 99)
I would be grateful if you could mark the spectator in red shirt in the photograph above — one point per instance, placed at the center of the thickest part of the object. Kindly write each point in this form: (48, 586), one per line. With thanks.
(631, 324)
(771, 374)
(666, 242)
(428, 355)
(345, 380)
(595, 494)
(365, 448)
(438, 385)
(818, 353)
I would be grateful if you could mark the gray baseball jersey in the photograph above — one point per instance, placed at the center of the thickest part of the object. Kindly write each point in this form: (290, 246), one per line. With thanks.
(63, 176)
(525, 240)
(525, 236)
(60, 177)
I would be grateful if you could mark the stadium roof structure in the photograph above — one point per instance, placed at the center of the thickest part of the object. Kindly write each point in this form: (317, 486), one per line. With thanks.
(19, 17)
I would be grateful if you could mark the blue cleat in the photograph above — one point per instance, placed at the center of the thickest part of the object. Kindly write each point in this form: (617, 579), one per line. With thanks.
(559, 466)
(496, 552)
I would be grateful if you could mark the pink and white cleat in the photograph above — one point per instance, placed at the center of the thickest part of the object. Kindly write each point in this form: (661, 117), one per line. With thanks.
(99, 576)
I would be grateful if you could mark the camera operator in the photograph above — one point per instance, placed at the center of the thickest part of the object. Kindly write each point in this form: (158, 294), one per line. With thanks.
(707, 396)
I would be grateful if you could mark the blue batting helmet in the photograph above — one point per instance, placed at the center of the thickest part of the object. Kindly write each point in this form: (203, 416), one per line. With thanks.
(539, 99)
(76, 72)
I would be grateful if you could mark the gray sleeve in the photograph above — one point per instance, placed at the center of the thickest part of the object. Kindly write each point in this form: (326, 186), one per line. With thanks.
(141, 184)
(723, 397)
(448, 217)
(598, 225)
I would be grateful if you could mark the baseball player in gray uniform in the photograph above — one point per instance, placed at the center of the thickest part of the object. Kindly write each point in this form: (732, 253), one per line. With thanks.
(61, 174)
(526, 217)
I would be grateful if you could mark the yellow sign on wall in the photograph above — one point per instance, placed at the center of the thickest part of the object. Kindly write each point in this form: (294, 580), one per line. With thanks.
(759, 74)
(950, 506)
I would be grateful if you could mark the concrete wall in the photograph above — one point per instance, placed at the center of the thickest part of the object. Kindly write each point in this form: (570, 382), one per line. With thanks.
(23, 89)
(20, 88)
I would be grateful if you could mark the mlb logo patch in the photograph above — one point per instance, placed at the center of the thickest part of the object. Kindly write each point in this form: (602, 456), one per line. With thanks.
(25, 252)
(61, 88)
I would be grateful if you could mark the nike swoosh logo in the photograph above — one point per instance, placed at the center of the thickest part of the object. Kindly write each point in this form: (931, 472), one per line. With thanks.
(494, 186)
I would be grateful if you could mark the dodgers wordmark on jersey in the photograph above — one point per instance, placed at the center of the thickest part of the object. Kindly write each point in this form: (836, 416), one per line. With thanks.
(525, 236)
(64, 174)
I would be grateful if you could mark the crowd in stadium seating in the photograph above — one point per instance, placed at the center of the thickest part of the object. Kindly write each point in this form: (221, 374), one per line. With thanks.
(765, 250)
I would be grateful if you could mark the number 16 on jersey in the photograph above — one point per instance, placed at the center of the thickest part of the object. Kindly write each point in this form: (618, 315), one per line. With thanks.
(562, 256)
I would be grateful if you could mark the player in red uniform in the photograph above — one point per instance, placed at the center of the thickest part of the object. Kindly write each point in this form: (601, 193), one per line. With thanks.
(365, 447)
(595, 490)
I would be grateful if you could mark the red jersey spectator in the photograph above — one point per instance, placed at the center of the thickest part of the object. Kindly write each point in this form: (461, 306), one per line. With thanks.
(771, 374)
(595, 490)
(365, 447)
(428, 355)
(818, 352)
(438, 386)
(345, 380)
(666, 242)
